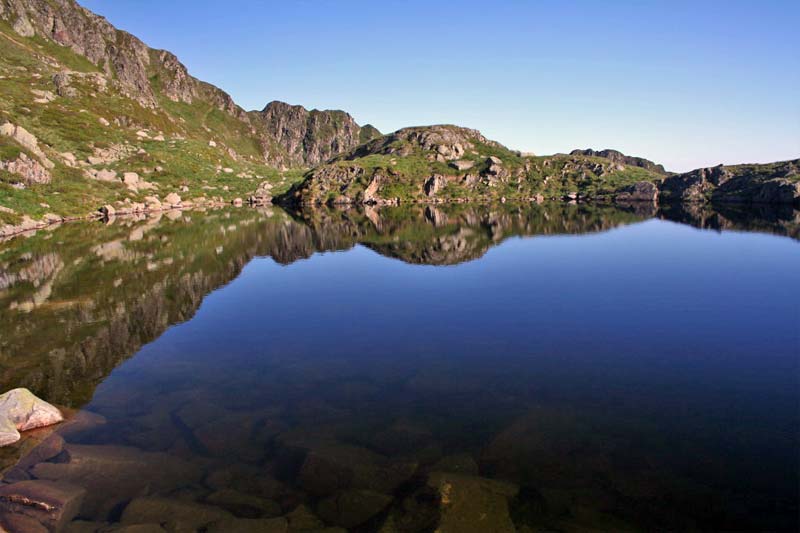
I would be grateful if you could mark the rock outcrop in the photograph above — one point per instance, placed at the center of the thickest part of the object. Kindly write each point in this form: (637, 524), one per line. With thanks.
(774, 183)
(29, 170)
(619, 157)
(121, 56)
(641, 191)
(296, 136)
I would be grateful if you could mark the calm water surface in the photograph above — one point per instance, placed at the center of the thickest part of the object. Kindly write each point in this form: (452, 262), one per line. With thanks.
(471, 369)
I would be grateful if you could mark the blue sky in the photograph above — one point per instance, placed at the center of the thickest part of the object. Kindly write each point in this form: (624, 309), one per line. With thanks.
(687, 84)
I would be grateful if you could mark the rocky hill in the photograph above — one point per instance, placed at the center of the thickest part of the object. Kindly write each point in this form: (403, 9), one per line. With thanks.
(447, 163)
(90, 115)
(438, 164)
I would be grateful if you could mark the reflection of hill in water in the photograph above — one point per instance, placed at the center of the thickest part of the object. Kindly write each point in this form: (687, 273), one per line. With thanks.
(79, 300)
(452, 234)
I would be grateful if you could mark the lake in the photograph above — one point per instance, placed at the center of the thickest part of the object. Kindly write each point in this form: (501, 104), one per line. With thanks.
(466, 368)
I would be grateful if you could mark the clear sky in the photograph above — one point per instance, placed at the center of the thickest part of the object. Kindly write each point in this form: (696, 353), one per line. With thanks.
(685, 83)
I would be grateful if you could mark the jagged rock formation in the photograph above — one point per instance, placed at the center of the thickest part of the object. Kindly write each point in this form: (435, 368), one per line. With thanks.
(308, 138)
(619, 157)
(120, 55)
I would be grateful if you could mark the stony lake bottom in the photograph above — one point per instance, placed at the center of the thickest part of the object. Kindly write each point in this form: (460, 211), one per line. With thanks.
(462, 368)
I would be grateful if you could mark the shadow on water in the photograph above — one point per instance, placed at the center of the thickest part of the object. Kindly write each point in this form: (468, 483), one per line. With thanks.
(408, 424)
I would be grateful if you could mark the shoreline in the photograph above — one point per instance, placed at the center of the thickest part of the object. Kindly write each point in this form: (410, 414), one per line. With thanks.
(52, 221)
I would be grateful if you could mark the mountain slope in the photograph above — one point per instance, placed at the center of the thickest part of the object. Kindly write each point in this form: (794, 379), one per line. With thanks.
(83, 103)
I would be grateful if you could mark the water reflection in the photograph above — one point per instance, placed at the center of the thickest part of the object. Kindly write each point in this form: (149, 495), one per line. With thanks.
(528, 388)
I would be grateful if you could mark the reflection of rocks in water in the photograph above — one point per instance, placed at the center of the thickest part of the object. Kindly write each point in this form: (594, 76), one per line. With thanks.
(30, 269)
(91, 305)
(776, 219)
(452, 233)
(292, 450)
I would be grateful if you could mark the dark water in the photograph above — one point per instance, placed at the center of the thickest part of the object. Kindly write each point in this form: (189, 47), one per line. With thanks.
(468, 369)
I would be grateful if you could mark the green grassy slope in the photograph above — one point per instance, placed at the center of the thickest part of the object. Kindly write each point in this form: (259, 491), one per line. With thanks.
(74, 124)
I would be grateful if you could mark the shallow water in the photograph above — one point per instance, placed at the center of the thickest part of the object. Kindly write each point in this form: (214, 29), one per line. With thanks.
(615, 368)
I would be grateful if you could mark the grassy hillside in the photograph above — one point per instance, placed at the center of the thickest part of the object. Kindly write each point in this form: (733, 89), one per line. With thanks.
(178, 146)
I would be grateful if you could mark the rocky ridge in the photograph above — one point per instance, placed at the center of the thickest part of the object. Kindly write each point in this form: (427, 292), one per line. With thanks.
(446, 163)
(438, 164)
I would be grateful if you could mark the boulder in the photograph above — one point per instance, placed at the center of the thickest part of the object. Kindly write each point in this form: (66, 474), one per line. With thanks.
(27, 140)
(47, 449)
(21, 410)
(130, 178)
(641, 191)
(351, 508)
(173, 199)
(262, 195)
(105, 175)
(242, 504)
(463, 164)
(62, 81)
(13, 522)
(42, 97)
(69, 158)
(50, 503)
(330, 467)
(115, 474)
(104, 122)
(434, 184)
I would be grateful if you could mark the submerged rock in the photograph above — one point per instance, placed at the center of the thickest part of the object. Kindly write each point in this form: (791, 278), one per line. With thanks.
(472, 504)
(244, 505)
(175, 515)
(52, 504)
(332, 467)
(351, 508)
(115, 474)
(249, 525)
(21, 410)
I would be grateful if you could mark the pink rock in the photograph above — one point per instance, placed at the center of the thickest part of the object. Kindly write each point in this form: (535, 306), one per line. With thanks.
(21, 410)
